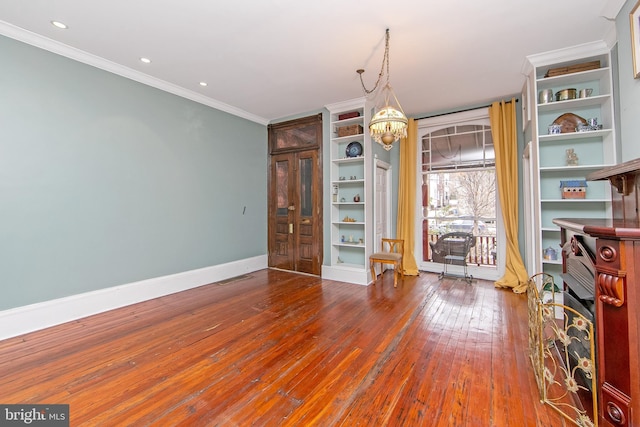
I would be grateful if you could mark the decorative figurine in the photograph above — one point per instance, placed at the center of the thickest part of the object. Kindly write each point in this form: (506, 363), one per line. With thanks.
(572, 157)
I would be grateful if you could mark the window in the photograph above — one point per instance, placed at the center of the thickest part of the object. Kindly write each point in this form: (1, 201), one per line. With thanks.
(458, 187)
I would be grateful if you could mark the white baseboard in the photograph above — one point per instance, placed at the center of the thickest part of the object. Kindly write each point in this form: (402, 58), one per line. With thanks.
(359, 276)
(29, 318)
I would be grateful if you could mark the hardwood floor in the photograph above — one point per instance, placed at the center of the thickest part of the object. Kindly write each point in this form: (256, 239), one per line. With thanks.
(282, 349)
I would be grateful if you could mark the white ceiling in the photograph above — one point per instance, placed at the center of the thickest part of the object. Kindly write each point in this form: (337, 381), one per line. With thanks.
(268, 59)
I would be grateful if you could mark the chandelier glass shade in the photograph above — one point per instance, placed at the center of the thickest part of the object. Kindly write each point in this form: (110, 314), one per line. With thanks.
(389, 123)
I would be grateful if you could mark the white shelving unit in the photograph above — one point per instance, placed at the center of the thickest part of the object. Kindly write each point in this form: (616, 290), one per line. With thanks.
(351, 179)
(596, 149)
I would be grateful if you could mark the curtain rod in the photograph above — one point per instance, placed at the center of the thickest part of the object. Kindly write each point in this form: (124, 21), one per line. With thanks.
(460, 111)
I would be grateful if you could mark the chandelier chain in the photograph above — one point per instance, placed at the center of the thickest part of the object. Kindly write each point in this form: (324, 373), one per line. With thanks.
(385, 60)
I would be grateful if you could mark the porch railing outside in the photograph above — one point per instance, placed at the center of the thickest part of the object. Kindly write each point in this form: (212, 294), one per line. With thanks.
(482, 254)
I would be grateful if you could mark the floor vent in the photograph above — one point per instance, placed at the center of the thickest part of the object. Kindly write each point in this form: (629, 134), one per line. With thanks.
(232, 280)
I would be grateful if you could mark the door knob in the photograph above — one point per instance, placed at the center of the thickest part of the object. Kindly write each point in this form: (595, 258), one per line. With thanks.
(292, 208)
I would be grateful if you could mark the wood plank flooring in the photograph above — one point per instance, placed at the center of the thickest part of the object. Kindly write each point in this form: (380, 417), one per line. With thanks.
(282, 349)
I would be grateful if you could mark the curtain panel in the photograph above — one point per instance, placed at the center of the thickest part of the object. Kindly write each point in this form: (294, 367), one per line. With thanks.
(407, 197)
(502, 116)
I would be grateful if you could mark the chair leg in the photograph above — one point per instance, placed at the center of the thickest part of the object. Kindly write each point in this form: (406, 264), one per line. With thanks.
(395, 275)
(373, 271)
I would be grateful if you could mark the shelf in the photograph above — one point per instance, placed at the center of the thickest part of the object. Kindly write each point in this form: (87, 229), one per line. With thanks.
(350, 245)
(574, 78)
(348, 181)
(574, 200)
(551, 229)
(552, 261)
(572, 104)
(561, 137)
(342, 139)
(348, 223)
(358, 159)
(573, 168)
(351, 121)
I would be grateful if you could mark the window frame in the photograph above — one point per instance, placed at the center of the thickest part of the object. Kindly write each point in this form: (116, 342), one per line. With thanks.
(479, 116)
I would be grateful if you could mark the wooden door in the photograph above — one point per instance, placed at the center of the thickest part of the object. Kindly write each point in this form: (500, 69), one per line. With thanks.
(295, 198)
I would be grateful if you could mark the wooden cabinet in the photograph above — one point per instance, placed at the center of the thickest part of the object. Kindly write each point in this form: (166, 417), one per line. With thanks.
(594, 148)
(617, 294)
(351, 193)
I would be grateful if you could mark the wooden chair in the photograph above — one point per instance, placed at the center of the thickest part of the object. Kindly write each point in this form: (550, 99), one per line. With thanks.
(392, 251)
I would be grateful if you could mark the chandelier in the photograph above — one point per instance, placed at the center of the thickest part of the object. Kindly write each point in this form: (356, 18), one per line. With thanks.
(389, 123)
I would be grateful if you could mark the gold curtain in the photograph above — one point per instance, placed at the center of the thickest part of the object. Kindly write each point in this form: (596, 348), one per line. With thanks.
(503, 129)
(407, 198)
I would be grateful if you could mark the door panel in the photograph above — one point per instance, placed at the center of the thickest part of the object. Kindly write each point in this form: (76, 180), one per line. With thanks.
(307, 216)
(280, 238)
(295, 236)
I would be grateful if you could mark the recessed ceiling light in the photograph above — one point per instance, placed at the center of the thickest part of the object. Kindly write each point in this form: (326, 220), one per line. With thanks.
(59, 25)
(145, 60)
(203, 83)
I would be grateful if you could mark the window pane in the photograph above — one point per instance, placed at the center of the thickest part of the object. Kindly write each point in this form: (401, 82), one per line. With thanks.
(282, 188)
(456, 147)
(306, 177)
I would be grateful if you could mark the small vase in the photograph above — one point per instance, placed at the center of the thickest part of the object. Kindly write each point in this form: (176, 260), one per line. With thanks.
(356, 198)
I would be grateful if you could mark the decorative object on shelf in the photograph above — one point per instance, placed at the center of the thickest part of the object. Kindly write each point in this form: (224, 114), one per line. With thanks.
(572, 157)
(349, 219)
(354, 149)
(361, 241)
(343, 200)
(573, 189)
(349, 130)
(550, 254)
(585, 66)
(569, 122)
(566, 94)
(389, 123)
(349, 115)
(555, 129)
(342, 178)
(545, 96)
(585, 93)
(351, 239)
(634, 19)
(353, 177)
(356, 198)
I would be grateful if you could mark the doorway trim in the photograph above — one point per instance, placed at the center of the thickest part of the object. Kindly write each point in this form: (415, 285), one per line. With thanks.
(388, 177)
(295, 230)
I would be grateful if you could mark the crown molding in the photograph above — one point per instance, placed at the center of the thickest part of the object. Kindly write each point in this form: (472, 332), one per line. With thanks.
(62, 49)
(568, 54)
(346, 105)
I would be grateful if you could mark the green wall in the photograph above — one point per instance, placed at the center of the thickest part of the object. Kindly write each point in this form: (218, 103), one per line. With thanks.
(629, 99)
(105, 181)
